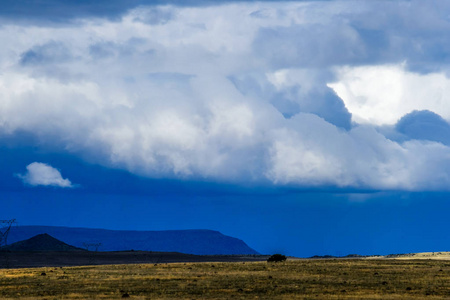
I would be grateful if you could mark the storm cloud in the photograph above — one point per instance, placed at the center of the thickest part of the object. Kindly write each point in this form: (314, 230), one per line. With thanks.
(273, 93)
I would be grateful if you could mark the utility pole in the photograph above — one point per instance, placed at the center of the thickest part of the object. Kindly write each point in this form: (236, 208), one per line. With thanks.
(92, 245)
(5, 227)
(92, 255)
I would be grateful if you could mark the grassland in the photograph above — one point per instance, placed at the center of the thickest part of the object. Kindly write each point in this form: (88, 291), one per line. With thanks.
(423, 255)
(300, 279)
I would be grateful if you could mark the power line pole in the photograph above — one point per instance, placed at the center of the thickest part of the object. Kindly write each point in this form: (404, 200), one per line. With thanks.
(5, 227)
(92, 254)
(92, 245)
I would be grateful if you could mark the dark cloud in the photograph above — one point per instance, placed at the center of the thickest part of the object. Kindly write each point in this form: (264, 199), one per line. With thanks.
(155, 16)
(309, 46)
(326, 104)
(113, 50)
(298, 97)
(48, 53)
(49, 11)
(376, 32)
(410, 31)
(320, 101)
(62, 10)
(424, 125)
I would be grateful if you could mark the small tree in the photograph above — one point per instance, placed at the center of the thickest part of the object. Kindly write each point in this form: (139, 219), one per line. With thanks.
(276, 258)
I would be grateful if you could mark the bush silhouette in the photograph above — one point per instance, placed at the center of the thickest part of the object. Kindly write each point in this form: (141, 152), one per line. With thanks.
(276, 258)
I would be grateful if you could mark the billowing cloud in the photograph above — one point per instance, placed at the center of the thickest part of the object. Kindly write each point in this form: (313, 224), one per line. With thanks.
(40, 174)
(383, 94)
(271, 93)
(424, 125)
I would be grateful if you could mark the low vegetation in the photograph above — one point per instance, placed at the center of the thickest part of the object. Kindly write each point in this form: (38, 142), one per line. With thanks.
(277, 258)
(302, 279)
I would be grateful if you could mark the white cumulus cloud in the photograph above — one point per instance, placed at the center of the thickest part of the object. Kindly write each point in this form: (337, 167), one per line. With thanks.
(43, 174)
(383, 94)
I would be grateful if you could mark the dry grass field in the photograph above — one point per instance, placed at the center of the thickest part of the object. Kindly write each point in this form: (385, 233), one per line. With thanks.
(300, 279)
(423, 255)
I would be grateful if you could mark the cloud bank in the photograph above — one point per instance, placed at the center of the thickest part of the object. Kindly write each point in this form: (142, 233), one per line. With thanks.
(40, 174)
(297, 94)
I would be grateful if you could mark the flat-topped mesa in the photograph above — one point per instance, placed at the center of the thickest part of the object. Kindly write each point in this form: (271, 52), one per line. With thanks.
(199, 242)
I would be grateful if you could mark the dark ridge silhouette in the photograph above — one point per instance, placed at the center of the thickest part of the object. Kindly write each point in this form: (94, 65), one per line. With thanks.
(199, 242)
(41, 242)
(323, 256)
(34, 259)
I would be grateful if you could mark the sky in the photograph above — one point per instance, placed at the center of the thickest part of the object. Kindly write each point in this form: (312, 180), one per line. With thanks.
(301, 127)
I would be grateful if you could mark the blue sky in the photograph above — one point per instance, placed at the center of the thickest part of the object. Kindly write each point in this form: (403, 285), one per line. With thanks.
(303, 127)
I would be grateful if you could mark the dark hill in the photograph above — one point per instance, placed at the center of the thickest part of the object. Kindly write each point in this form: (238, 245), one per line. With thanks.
(41, 242)
(200, 242)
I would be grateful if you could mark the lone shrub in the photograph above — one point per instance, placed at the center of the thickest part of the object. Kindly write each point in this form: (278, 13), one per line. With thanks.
(276, 258)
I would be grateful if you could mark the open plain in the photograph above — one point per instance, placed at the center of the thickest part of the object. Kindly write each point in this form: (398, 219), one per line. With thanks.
(293, 279)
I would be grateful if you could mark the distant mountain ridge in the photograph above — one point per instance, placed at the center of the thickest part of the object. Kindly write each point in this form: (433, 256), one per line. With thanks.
(41, 242)
(200, 242)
